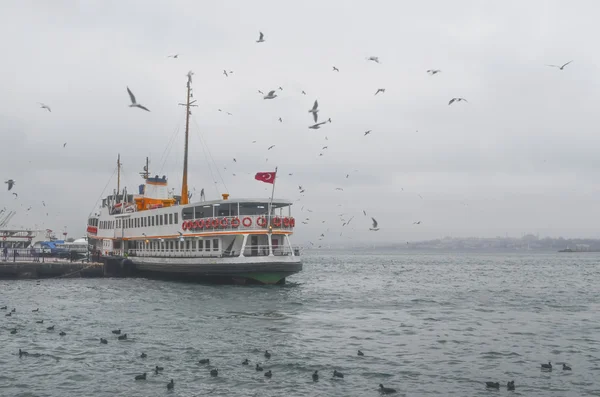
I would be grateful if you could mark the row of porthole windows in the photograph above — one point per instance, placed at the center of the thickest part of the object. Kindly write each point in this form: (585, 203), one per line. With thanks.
(178, 245)
(142, 221)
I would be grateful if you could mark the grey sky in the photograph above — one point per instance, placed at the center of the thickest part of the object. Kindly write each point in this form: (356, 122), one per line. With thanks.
(521, 156)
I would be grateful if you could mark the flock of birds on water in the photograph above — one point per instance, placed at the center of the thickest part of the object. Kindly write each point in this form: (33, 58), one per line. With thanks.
(258, 367)
(158, 370)
(314, 111)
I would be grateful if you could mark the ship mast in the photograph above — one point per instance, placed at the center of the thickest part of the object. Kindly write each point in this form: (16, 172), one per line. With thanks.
(188, 104)
(118, 173)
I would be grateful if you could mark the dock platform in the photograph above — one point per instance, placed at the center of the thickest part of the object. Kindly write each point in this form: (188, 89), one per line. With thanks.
(50, 268)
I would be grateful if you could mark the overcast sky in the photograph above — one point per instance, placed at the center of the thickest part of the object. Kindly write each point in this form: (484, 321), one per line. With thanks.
(521, 156)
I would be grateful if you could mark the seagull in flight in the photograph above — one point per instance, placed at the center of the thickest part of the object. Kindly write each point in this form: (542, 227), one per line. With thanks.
(433, 71)
(374, 59)
(382, 90)
(374, 228)
(225, 73)
(417, 223)
(314, 110)
(260, 38)
(270, 95)
(280, 120)
(271, 147)
(260, 92)
(234, 160)
(560, 67)
(134, 104)
(367, 132)
(325, 147)
(16, 195)
(335, 69)
(43, 106)
(65, 144)
(457, 100)
(317, 126)
(303, 92)
(173, 56)
(339, 188)
(10, 183)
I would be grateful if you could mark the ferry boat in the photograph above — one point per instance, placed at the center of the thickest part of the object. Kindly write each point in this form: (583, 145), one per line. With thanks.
(157, 233)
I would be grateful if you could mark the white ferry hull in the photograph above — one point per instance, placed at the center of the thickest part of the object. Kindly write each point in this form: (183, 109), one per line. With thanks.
(263, 270)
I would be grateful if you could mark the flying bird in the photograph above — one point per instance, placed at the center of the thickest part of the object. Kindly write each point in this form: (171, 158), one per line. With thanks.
(16, 195)
(280, 89)
(10, 183)
(433, 71)
(365, 212)
(173, 56)
(374, 228)
(43, 106)
(280, 120)
(225, 73)
(303, 92)
(560, 67)
(457, 100)
(367, 132)
(261, 38)
(271, 147)
(260, 92)
(382, 90)
(234, 160)
(347, 175)
(339, 188)
(65, 144)
(134, 104)
(374, 59)
(335, 69)
(417, 223)
(315, 110)
(325, 147)
(270, 95)
(317, 126)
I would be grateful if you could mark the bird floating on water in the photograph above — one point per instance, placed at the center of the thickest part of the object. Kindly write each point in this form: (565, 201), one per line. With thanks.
(103, 341)
(141, 377)
(361, 353)
(315, 110)
(116, 332)
(560, 67)
(386, 390)
(315, 376)
(204, 361)
(259, 368)
(267, 354)
(510, 385)
(170, 385)
(566, 367)
(245, 362)
(261, 38)
(143, 355)
(214, 372)
(134, 104)
(268, 374)
(492, 385)
(337, 374)
(122, 337)
(547, 366)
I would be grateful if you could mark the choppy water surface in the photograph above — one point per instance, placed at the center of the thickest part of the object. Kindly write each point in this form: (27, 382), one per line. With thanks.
(428, 324)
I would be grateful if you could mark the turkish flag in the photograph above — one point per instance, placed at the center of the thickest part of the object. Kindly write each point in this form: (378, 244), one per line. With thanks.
(268, 177)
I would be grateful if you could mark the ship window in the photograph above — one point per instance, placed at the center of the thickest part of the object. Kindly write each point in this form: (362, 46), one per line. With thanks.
(166, 219)
(207, 245)
(172, 245)
(199, 212)
(152, 220)
(193, 245)
(200, 245)
(176, 220)
(216, 244)
(160, 220)
(187, 213)
(170, 219)
(187, 245)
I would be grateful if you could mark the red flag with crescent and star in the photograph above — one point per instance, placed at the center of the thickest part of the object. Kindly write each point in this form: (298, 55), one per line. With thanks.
(268, 177)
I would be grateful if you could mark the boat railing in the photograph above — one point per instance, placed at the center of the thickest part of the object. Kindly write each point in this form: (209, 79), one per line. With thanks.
(237, 223)
(263, 250)
(250, 250)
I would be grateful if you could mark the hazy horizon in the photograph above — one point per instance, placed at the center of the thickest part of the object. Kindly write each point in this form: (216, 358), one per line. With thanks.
(519, 157)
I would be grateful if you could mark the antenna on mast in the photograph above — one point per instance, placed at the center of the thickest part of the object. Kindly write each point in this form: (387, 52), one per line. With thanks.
(118, 173)
(188, 104)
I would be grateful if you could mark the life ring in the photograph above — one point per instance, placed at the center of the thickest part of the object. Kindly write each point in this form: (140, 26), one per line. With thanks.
(223, 223)
(197, 224)
(261, 221)
(247, 222)
(215, 223)
(277, 222)
(200, 223)
(292, 222)
(235, 222)
(286, 222)
(208, 223)
(185, 225)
